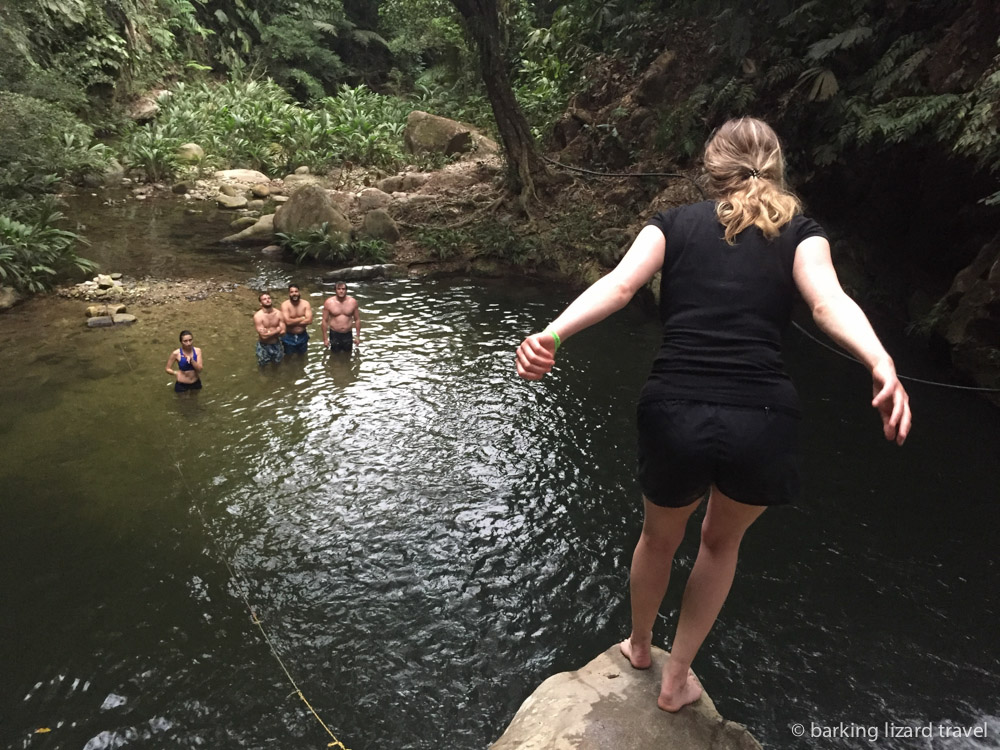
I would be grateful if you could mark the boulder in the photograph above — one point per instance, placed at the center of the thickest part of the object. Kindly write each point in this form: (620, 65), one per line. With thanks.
(228, 189)
(413, 181)
(260, 190)
(190, 153)
(607, 704)
(655, 84)
(293, 181)
(229, 201)
(360, 273)
(256, 204)
(243, 176)
(308, 208)
(146, 107)
(372, 198)
(9, 297)
(100, 311)
(103, 321)
(243, 222)
(123, 320)
(390, 185)
(104, 281)
(273, 251)
(427, 133)
(378, 225)
(343, 200)
(261, 232)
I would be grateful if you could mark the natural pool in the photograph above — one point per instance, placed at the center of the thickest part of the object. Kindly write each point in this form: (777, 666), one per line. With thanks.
(425, 537)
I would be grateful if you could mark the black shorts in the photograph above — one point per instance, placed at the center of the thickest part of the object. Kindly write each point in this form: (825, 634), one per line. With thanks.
(685, 447)
(341, 342)
(180, 387)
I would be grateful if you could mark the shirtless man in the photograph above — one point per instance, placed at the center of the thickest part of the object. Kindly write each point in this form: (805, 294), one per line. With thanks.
(270, 328)
(339, 312)
(297, 314)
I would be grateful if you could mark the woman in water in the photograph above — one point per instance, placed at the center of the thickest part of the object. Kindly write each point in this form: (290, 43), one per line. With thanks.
(189, 361)
(718, 415)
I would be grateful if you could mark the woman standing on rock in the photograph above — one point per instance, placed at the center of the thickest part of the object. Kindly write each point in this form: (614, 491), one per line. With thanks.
(189, 361)
(718, 415)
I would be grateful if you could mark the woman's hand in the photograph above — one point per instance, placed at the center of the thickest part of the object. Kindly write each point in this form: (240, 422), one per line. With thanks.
(536, 355)
(892, 402)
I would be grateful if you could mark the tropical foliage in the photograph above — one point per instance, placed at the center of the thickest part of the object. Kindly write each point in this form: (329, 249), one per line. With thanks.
(34, 250)
(319, 245)
(254, 124)
(275, 84)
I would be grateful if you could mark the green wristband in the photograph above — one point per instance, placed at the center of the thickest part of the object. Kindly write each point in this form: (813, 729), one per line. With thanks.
(556, 337)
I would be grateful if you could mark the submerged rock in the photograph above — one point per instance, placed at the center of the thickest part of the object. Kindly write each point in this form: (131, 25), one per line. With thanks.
(229, 201)
(262, 231)
(607, 704)
(358, 273)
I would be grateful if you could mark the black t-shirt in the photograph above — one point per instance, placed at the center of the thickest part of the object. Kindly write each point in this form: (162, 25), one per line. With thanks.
(724, 309)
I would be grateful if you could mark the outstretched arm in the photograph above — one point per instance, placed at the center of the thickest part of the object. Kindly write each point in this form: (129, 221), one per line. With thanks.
(536, 354)
(842, 320)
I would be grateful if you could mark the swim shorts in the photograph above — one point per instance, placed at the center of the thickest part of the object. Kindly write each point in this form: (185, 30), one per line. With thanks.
(269, 353)
(685, 447)
(295, 343)
(341, 342)
(180, 387)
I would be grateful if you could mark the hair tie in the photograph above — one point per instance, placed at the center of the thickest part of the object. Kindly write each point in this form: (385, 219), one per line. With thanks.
(754, 174)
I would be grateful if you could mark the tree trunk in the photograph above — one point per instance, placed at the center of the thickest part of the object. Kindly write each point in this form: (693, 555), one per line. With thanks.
(524, 166)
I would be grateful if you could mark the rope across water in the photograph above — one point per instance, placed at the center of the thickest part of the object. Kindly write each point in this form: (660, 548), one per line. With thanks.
(242, 589)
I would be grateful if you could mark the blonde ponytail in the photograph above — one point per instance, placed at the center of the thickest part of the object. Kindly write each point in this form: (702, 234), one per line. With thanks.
(746, 175)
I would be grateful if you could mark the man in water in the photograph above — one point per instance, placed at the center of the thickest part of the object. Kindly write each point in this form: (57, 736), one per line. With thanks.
(270, 328)
(297, 314)
(339, 312)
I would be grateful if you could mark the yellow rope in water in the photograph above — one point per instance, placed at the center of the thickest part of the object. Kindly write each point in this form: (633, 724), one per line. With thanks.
(238, 579)
(241, 588)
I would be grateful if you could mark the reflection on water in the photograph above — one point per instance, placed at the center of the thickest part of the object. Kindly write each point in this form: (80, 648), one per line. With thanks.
(426, 538)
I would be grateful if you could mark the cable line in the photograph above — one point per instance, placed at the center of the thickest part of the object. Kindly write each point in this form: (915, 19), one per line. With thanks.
(242, 589)
(901, 377)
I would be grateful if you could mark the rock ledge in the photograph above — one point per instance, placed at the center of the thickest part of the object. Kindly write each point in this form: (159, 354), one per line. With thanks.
(607, 704)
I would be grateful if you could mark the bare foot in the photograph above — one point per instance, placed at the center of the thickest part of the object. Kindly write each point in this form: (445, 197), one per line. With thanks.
(677, 693)
(638, 656)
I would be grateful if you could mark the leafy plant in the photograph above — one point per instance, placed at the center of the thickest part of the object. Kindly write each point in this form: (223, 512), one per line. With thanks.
(319, 245)
(35, 250)
(40, 144)
(444, 243)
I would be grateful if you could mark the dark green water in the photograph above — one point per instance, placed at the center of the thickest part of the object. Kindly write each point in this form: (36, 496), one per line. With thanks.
(425, 537)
